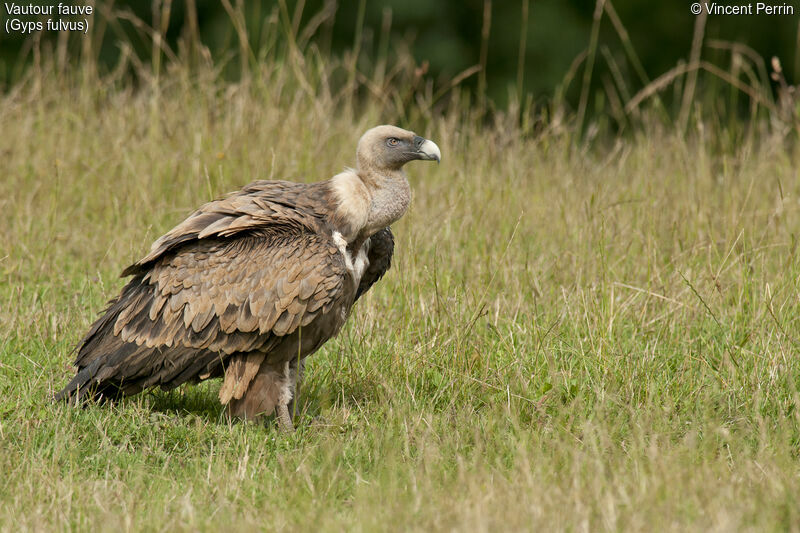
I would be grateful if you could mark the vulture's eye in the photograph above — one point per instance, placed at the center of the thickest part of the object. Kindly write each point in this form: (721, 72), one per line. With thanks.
(391, 141)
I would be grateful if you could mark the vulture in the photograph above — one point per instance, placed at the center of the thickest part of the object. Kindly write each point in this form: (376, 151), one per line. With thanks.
(251, 284)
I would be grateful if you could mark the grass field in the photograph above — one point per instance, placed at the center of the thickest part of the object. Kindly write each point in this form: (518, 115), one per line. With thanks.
(595, 338)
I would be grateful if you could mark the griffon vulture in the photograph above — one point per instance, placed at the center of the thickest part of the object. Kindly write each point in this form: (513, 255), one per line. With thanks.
(251, 284)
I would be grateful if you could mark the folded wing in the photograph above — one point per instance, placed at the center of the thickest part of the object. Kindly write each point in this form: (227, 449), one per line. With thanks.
(234, 277)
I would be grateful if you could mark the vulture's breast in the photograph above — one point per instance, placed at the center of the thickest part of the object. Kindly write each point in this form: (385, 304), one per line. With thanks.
(356, 263)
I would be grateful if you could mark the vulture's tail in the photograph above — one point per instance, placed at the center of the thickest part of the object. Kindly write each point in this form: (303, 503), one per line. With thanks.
(109, 367)
(100, 353)
(84, 387)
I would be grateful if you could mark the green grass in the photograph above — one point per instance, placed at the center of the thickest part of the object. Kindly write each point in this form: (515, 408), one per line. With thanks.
(581, 339)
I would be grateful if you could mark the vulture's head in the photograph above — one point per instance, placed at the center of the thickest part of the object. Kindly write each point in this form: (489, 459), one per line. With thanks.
(390, 147)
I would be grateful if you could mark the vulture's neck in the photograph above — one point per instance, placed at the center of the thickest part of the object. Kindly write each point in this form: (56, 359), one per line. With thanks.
(366, 201)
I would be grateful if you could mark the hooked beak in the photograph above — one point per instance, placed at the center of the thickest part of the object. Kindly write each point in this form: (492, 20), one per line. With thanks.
(427, 149)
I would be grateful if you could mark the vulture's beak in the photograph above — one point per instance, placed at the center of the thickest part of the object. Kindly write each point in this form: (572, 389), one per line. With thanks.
(427, 149)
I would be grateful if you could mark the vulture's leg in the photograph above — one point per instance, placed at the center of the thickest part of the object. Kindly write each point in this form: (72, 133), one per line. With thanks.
(253, 388)
(286, 411)
(296, 378)
(284, 420)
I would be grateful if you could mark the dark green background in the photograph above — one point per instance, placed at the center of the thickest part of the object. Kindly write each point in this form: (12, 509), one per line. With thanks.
(447, 35)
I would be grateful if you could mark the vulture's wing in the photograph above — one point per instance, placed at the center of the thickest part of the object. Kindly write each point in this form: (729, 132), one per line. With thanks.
(381, 248)
(228, 279)
(262, 203)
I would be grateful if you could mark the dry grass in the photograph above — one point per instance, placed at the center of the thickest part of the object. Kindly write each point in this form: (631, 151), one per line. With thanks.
(570, 338)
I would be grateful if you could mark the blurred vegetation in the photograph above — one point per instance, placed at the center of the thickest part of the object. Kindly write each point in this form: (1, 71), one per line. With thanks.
(589, 57)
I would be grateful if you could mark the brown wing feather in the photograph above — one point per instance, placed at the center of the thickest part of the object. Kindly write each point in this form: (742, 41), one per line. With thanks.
(195, 301)
(254, 207)
(243, 286)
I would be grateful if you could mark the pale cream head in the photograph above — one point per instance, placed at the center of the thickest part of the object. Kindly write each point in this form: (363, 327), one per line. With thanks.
(387, 147)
